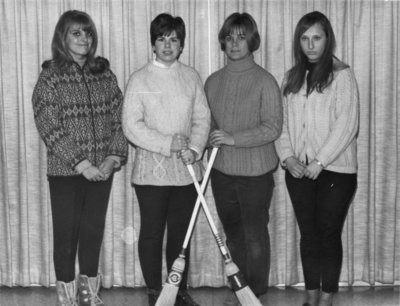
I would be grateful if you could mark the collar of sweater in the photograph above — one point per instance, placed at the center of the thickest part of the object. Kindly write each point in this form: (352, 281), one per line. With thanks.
(241, 65)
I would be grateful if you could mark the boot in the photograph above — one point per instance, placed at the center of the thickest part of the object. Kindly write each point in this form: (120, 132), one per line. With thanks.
(66, 294)
(88, 291)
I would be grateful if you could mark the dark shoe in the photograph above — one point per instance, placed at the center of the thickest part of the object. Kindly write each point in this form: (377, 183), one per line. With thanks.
(306, 304)
(184, 299)
(152, 296)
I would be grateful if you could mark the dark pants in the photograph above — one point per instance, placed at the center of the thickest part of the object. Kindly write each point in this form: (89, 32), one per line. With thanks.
(321, 207)
(162, 206)
(242, 204)
(79, 210)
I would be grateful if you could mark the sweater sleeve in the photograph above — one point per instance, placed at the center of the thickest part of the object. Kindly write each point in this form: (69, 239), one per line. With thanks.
(134, 124)
(46, 114)
(270, 126)
(283, 144)
(200, 119)
(345, 126)
(118, 146)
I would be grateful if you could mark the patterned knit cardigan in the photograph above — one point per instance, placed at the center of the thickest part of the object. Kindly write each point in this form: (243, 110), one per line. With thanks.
(78, 116)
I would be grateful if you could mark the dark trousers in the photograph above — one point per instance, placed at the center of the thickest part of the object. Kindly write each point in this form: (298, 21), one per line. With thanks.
(79, 210)
(242, 204)
(321, 207)
(162, 206)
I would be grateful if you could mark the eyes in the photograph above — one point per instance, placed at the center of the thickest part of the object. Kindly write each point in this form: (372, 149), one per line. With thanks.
(79, 33)
(239, 38)
(162, 39)
(314, 38)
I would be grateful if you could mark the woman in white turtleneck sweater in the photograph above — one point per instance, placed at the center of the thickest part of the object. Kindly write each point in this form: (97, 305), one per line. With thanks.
(246, 108)
(166, 117)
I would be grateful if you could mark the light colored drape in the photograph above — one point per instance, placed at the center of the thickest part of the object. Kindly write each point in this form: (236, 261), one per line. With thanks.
(367, 35)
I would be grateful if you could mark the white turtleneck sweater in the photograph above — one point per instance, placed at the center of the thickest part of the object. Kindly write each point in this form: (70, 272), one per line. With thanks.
(160, 102)
(245, 101)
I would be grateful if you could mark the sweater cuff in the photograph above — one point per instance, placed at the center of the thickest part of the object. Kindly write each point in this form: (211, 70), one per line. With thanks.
(82, 166)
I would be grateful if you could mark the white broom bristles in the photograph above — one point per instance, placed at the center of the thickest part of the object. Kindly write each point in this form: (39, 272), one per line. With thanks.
(244, 294)
(170, 289)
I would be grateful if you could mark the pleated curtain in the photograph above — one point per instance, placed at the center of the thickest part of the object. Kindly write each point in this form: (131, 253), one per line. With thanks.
(367, 34)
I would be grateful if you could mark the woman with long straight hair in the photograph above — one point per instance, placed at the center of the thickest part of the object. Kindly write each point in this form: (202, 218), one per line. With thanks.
(318, 149)
(77, 106)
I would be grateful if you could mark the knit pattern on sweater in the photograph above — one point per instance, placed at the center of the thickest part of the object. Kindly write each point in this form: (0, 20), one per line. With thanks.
(160, 102)
(245, 101)
(78, 116)
(323, 126)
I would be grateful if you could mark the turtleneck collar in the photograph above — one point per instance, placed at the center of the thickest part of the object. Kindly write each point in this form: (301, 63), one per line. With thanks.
(241, 65)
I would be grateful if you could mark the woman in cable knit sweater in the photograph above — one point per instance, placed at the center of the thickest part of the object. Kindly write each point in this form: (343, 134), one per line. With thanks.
(318, 149)
(167, 118)
(245, 103)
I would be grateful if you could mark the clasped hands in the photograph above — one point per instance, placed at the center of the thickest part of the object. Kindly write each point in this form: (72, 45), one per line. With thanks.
(298, 169)
(101, 173)
(180, 145)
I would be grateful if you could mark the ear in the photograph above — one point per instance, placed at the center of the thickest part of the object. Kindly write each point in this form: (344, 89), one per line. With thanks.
(154, 49)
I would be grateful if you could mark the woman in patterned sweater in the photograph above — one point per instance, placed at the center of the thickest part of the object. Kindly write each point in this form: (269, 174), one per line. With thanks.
(318, 149)
(77, 108)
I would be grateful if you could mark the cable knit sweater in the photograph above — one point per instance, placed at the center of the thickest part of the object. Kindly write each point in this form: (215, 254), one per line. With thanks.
(323, 126)
(160, 102)
(78, 115)
(245, 101)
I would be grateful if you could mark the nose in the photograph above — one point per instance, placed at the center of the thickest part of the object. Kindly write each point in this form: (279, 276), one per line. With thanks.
(167, 43)
(235, 41)
(311, 44)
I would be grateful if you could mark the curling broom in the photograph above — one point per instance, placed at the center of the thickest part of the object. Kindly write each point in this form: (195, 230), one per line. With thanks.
(244, 294)
(170, 289)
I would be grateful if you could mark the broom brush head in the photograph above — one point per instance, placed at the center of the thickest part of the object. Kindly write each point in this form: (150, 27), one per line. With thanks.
(170, 289)
(244, 294)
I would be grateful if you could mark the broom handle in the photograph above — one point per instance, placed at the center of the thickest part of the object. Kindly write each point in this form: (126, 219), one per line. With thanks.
(197, 205)
(217, 237)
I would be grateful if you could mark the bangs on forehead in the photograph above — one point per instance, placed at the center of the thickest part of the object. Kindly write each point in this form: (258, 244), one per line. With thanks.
(238, 29)
(83, 22)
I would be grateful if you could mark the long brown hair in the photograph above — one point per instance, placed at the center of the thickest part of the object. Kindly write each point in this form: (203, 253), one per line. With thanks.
(322, 75)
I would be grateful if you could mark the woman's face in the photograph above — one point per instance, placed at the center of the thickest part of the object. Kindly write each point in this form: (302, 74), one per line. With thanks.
(236, 47)
(78, 42)
(167, 48)
(313, 43)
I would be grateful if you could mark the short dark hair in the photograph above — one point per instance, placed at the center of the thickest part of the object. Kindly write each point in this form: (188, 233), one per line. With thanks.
(164, 24)
(245, 24)
(59, 49)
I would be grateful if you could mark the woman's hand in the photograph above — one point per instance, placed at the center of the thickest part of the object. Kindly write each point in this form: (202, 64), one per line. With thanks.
(295, 167)
(313, 170)
(179, 143)
(93, 174)
(188, 156)
(220, 137)
(107, 167)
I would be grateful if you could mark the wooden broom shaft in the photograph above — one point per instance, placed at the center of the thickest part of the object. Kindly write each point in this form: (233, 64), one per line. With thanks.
(198, 201)
(208, 214)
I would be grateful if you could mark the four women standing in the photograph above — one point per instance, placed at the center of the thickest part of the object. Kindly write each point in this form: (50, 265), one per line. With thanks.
(77, 107)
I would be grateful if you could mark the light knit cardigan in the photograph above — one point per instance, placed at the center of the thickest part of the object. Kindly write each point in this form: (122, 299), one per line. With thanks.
(160, 102)
(323, 126)
(245, 101)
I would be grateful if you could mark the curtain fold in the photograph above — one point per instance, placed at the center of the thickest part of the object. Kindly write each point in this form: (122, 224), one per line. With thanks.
(367, 34)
